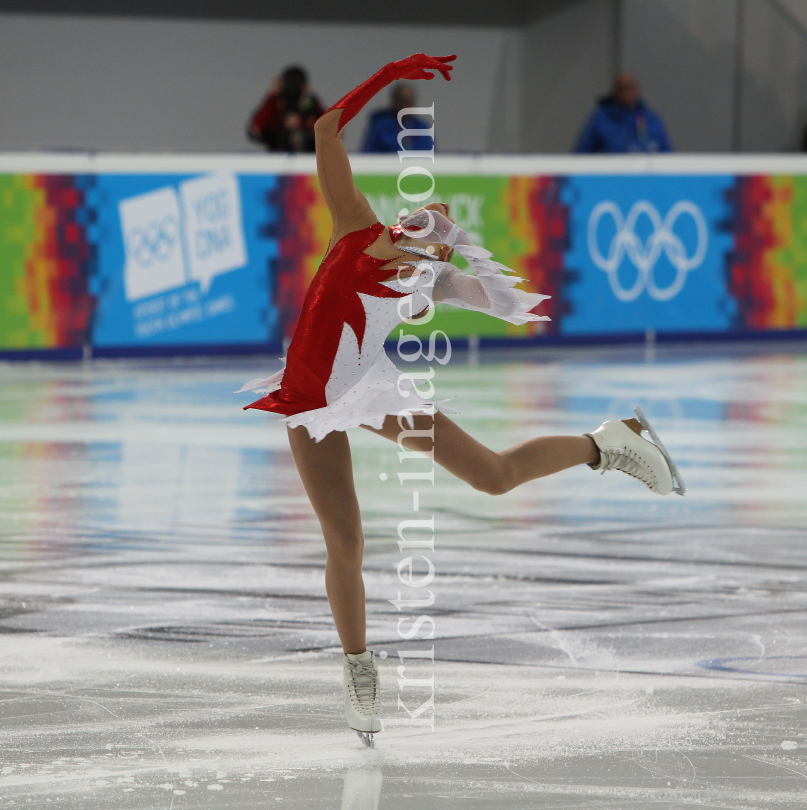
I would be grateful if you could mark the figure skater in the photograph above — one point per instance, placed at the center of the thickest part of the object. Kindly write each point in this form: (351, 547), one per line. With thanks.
(337, 375)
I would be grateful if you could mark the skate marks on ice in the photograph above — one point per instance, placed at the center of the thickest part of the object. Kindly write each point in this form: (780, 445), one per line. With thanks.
(166, 641)
(239, 733)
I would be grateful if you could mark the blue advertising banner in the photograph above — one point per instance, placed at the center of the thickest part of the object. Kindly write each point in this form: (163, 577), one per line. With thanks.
(183, 260)
(648, 253)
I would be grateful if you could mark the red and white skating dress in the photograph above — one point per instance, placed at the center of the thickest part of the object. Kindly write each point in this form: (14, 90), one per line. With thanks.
(337, 374)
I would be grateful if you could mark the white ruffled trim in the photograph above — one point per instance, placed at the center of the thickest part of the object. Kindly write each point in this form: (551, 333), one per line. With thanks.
(368, 402)
(432, 226)
(264, 385)
(499, 287)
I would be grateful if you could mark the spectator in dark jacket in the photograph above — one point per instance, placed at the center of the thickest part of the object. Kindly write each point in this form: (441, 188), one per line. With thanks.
(622, 122)
(285, 121)
(382, 132)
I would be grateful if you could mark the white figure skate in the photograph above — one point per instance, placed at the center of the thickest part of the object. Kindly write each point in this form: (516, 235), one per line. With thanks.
(362, 695)
(622, 447)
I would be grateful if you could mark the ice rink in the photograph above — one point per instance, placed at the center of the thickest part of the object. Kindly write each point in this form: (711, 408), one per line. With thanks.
(167, 643)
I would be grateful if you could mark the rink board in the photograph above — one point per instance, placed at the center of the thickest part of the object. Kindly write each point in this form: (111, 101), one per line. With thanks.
(145, 254)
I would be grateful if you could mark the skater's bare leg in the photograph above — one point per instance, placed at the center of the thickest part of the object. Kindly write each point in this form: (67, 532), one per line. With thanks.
(484, 469)
(327, 473)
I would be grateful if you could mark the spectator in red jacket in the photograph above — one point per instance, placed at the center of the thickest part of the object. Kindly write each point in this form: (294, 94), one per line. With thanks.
(285, 121)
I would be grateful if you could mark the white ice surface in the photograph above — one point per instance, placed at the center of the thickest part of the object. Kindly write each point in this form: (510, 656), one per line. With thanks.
(165, 640)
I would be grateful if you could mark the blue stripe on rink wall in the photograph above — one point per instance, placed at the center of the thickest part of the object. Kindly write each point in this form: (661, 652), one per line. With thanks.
(73, 353)
(191, 350)
(275, 350)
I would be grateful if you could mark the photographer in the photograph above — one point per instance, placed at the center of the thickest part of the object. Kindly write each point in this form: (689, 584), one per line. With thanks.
(285, 121)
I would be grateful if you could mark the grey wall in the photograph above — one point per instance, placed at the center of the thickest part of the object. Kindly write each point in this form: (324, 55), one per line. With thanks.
(774, 69)
(569, 59)
(446, 12)
(153, 84)
(120, 84)
(117, 83)
(683, 53)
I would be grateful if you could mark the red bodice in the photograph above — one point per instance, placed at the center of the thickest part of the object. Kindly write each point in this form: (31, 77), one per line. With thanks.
(331, 301)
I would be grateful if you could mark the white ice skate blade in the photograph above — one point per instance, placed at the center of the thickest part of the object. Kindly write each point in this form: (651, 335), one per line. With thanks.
(367, 739)
(678, 482)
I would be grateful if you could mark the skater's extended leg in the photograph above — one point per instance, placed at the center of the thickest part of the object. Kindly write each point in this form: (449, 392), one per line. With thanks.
(327, 473)
(485, 469)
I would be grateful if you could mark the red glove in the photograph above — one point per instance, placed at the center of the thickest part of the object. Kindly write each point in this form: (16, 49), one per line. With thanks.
(413, 67)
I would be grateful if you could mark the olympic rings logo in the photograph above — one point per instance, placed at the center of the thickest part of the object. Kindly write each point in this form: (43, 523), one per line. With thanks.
(644, 255)
(154, 242)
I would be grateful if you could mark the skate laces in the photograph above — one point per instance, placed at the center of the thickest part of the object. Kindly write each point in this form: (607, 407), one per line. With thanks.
(627, 461)
(364, 681)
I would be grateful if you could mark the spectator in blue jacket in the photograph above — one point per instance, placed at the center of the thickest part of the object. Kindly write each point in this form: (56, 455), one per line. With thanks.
(622, 122)
(382, 133)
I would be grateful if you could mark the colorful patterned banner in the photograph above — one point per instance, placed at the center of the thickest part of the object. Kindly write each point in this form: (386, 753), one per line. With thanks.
(167, 261)
(767, 271)
(45, 261)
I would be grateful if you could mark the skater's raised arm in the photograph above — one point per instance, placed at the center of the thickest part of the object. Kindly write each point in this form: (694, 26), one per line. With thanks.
(349, 208)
